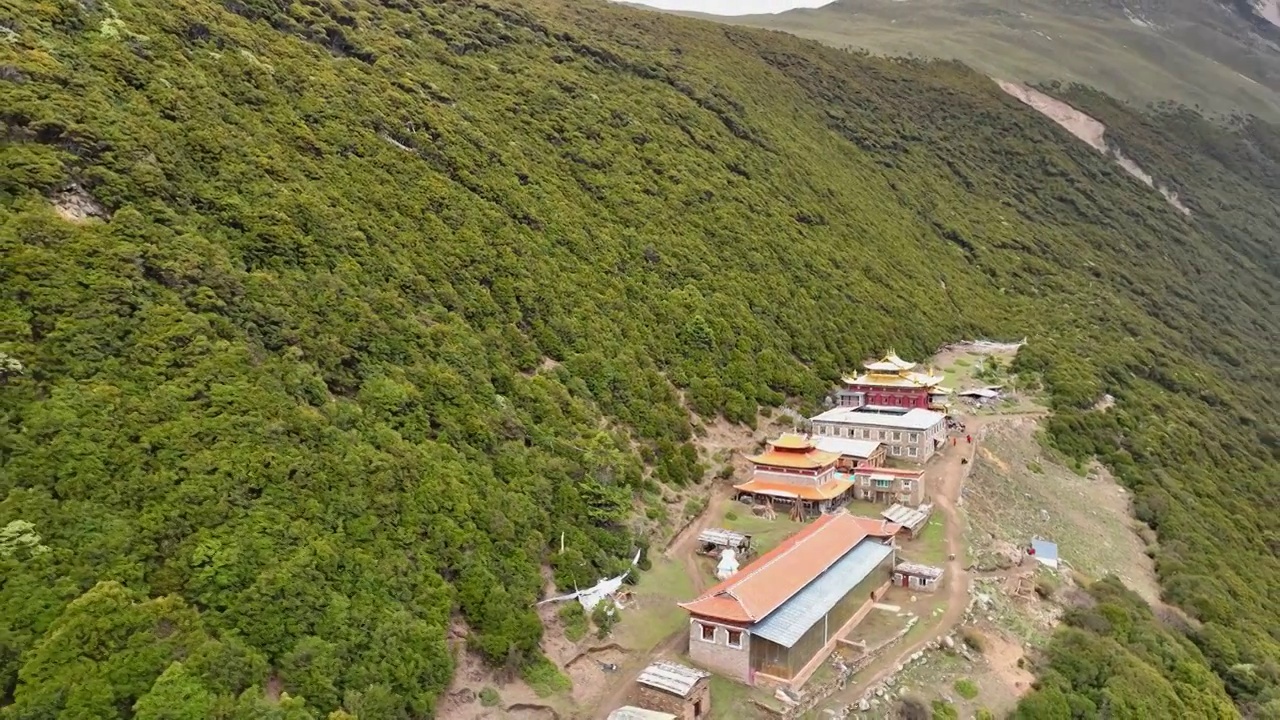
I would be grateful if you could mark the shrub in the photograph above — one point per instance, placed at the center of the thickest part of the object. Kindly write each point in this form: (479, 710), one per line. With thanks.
(574, 619)
(544, 678)
(967, 688)
(694, 506)
(731, 515)
(913, 708)
(1046, 586)
(1035, 467)
(943, 710)
(489, 697)
(605, 616)
(974, 639)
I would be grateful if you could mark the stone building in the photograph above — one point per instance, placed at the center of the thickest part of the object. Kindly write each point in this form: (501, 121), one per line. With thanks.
(669, 687)
(778, 618)
(913, 435)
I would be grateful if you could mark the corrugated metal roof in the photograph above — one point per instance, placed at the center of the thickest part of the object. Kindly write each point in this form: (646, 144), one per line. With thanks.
(928, 571)
(630, 712)
(848, 446)
(792, 620)
(903, 515)
(720, 536)
(671, 677)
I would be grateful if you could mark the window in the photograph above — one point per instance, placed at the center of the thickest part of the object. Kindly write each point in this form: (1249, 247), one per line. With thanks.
(911, 451)
(709, 633)
(908, 485)
(913, 437)
(883, 484)
(897, 436)
(866, 482)
(735, 638)
(881, 436)
(897, 449)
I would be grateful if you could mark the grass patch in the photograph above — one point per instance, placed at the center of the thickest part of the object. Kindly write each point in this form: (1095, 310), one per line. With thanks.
(489, 697)
(930, 547)
(966, 688)
(731, 701)
(877, 627)
(545, 679)
(654, 616)
(765, 534)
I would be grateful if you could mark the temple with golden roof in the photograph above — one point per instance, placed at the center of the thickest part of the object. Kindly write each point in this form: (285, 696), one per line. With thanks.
(892, 382)
(794, 470)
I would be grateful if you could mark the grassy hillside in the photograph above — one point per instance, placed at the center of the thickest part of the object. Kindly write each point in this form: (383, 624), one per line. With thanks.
(362, 305)
(1197, 53)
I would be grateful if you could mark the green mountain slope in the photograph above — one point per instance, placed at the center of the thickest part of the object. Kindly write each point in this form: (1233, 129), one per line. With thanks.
(1220, 56)
(390, 296)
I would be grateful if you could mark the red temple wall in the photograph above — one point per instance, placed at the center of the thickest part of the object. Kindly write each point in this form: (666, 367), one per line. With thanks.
(895, 397)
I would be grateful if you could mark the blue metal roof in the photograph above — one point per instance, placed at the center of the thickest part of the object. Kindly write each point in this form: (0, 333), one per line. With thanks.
(1045, 549)
(792, 619)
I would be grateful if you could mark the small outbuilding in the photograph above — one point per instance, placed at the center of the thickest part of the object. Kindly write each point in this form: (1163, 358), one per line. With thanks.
(669, 687)
(924, 578)
(912, 519)
(713, 541)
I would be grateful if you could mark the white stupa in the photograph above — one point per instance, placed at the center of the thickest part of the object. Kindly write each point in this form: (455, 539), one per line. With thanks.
(728, 564)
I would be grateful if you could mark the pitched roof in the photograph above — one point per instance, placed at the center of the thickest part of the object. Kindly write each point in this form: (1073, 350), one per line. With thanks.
(761, 587)
(877, 527)
(671, 677)
(826, 491)
(890, 362)
(847, 446)
(792, 441)
(789, 623)
(792, 459)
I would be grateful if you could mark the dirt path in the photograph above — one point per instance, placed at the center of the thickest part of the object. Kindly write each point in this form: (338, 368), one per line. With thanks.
(681, 547)
(948, 477)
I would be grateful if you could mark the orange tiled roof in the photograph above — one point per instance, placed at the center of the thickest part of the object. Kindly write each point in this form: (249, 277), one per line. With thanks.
(792, 441)
(826, 491)
(761, 587)
(790, 459)
(877, 527)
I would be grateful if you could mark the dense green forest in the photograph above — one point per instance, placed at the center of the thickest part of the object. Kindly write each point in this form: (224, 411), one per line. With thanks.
(362, 305)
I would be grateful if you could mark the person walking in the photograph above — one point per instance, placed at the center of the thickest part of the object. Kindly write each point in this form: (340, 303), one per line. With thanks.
(968, 439)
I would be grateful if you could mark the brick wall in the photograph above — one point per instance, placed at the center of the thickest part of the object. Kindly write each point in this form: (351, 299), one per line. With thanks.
(733, 663)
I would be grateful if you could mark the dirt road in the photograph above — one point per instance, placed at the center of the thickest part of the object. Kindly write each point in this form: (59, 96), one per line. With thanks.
(947, 476)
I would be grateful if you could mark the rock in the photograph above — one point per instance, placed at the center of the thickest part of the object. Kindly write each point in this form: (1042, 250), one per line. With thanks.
(949, 642)
(863, 705)
(913, 598)
(465, 696)
(880, 692)
(875, 703)
(829, 712)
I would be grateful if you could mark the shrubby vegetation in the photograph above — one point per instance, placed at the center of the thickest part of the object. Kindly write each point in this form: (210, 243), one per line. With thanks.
(392, 296)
